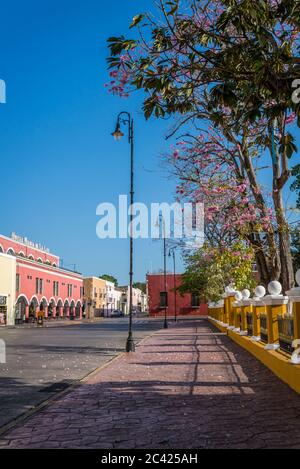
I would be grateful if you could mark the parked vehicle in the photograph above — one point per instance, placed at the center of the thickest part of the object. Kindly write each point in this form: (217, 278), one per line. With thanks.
(116, 313)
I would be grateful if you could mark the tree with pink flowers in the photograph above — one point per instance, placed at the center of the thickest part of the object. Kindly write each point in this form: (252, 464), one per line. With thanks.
(228, 66)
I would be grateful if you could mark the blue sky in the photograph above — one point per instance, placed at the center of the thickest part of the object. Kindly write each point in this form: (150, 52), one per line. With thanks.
(58, 159)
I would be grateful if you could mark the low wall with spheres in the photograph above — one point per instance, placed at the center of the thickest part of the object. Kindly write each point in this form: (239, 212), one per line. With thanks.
(267, 325)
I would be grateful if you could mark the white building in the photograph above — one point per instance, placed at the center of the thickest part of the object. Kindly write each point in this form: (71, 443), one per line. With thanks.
(139, 300)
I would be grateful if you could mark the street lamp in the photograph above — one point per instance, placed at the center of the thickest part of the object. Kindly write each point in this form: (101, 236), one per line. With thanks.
(125, 118)
(162, 220)
(172, 253)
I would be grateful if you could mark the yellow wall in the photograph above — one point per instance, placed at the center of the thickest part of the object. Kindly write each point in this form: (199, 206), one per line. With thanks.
(8, 284)
(94, 290)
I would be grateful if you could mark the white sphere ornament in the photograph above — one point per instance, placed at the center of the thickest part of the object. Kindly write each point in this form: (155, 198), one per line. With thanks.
(238, 296)
(260, 291)
(275, 288)
(246, 294)
(298, 277)
(227, 289)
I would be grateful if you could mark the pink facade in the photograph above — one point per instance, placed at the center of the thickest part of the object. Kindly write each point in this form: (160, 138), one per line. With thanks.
(185, 305)
(41, 285)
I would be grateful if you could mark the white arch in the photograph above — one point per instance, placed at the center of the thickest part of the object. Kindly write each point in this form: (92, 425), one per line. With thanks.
(31, 257)
(22, 296)
(54, 264)
(52, 299)
(60, 299)
(34, 297)
(46, 301)
(47, 262)
(1, 248)
(66, 301)
(39, 259)
(79, 302)
(21, 253)
(11, 249)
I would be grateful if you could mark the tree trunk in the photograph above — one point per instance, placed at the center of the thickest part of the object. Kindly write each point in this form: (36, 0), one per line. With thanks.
(262, 261)
(287, 271)
(280, 177)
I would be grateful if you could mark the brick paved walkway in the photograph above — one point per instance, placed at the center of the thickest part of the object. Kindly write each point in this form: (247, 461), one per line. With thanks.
(185, 387)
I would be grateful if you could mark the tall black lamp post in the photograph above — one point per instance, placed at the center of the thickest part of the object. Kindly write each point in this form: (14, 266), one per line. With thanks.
(172, 253)
(162, 221)
(125, 118)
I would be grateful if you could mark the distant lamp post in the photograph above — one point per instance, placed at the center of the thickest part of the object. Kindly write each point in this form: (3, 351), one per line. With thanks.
(162, 223)
(125, 118)
(172, 253)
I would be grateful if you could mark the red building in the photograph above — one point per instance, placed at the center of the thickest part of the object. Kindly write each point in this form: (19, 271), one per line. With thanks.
(40, 283)
(187, 305)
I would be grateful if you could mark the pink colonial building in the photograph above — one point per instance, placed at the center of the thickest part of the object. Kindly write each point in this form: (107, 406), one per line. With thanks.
(40, 283)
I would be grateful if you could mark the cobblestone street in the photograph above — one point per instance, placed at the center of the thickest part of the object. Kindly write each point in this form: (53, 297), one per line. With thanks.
(186, 387)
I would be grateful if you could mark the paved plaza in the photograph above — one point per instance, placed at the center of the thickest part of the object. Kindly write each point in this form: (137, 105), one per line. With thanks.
(40, 362)
(186, 387)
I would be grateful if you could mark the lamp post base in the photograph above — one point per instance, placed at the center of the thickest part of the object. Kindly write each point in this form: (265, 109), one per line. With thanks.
(130, 347)
(165, 324)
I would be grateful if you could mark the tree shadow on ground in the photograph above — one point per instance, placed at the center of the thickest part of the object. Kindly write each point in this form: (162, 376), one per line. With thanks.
(201, 406)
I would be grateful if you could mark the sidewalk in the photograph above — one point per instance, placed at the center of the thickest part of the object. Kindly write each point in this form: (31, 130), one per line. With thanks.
(56, 323)
(186, 387)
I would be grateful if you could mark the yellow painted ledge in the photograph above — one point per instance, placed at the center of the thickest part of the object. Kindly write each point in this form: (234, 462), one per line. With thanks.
(276, 361)
(221, 328)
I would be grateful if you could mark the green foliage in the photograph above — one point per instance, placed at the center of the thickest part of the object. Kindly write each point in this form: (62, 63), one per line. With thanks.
(296, 184)
(210, 270)
(295, 241)
(109, 278)
(140, 285)
(245, 58)
(136, 20)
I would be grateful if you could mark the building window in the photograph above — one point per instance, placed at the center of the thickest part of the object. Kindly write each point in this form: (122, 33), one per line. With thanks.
(163, 299)
(55, 288)
(195, 300)
(39, 286)
(70, 290)
(18, 282)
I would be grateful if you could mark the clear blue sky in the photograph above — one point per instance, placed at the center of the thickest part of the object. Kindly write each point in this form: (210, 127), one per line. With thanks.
(58, 159)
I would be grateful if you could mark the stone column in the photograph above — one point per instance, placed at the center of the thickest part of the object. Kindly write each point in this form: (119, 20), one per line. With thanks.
(276, 304)
(229, 299)
(236, 311)
(211, 310)
(26, 312)
(259, 308)
(46, 311)
(220, 311)
(294, 297)
(246, 308)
